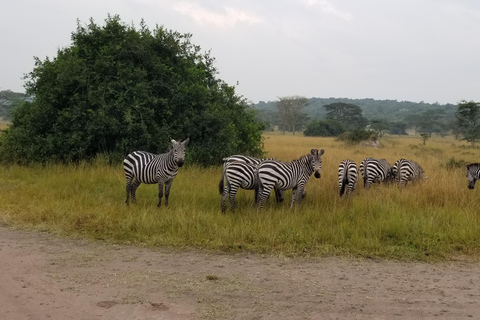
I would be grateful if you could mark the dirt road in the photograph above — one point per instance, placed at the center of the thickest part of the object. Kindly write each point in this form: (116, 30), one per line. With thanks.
(44, 277)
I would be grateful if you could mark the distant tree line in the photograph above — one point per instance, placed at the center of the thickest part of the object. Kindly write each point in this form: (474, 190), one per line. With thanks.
(341, 117)
(9, 100)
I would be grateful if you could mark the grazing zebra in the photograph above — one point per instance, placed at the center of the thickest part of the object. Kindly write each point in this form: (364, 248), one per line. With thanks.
(407, 170)
(347, 177)
(287, 175)
(239, 171)
(473, 174)
(144, 167)
(375, 171)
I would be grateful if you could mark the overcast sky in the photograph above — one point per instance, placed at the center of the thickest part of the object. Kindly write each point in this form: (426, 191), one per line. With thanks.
(414, 50)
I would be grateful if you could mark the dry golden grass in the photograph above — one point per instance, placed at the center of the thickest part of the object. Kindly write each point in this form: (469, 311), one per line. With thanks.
(437, 218)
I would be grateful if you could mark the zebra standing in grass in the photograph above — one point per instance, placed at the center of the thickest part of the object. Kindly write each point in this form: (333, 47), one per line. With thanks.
(473, 174)
(375, 171)
(240, 171)
(287, 175)
(347, 177)
(144, 167)
(407, 170)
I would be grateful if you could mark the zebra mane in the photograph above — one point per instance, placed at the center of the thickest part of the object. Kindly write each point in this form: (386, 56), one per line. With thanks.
(473, 166)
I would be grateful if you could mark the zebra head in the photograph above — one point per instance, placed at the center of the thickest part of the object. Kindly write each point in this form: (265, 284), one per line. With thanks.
(316, 162)
(472, 174)
(178, 150)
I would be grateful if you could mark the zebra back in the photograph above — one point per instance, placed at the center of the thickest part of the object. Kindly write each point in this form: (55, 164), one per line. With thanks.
(473, 174)
(347, 176)
(241, 174)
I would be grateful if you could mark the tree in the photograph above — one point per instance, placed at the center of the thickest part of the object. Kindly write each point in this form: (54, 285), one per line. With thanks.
(117, 89)
(380, 126)
(324, 128)
(398, 128)
(290, 111)
(468, 118)
(428, 122)
(349, 115)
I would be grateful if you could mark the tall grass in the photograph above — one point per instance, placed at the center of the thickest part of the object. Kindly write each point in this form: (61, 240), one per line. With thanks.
(435, 219)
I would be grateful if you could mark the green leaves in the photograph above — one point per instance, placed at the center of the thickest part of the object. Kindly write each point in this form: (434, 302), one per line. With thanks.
(468, 118)
(117, 89)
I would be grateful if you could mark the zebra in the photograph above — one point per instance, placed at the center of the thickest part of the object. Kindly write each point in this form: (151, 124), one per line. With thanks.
(347, 177)
(239, 171)
(375, 171)
(407, 170)
(473, 174)
(144, 167)
(287, 175)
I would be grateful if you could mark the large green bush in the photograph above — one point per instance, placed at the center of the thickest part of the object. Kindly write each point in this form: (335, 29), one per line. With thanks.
(117, 89)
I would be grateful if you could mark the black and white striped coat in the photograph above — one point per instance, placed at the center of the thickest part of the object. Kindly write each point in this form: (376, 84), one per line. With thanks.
(347, 177)
(375, 171)
(407, 170)
(473, 174)
(144, 167)
(288, 175)
(240, 171)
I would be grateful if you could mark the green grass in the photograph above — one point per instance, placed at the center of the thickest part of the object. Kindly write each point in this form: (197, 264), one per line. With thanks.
(436, 219)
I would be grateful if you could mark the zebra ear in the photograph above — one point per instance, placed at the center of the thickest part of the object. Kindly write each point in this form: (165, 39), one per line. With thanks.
(314, 151)
(321, 152)
(186, 141)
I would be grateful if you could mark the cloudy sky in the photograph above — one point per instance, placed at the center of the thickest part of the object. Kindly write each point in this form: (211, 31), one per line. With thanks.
(414, 50)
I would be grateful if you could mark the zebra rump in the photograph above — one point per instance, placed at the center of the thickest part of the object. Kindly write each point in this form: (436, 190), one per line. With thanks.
(237, 175)
(375, 171)
(473, 174)
(407, 170)
(347, 177)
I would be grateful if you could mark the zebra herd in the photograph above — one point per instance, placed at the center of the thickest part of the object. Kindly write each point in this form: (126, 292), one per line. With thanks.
(377, 171)
(263, 175)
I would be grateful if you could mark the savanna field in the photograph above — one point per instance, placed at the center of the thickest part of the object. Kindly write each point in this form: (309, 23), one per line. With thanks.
(436, 219)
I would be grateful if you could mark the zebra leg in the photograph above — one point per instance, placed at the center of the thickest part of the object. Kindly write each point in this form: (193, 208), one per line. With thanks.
(233, 192)
(280, 194)
(294, 197)
(128, 188)
(133, 189)
(299, 194)
(225, 194)
(168, 185)
(160, 193)
(263, 193)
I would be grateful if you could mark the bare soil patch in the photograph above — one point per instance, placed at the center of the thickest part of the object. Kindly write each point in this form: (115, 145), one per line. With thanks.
(45, 277)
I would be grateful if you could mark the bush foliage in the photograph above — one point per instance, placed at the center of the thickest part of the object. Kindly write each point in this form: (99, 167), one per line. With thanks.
(117, 89)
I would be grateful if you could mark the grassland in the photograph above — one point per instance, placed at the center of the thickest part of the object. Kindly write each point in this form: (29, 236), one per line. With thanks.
(435, 219)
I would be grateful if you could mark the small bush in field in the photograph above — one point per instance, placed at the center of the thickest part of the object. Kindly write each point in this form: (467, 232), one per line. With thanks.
(358, 135)
(454, 164)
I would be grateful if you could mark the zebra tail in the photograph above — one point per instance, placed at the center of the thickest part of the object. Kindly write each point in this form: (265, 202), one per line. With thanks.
(257, 187)
(344, 184)
(220, 185)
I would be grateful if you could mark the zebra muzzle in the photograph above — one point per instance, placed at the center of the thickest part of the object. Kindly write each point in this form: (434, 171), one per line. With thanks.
(317, 174)
(180, 163)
